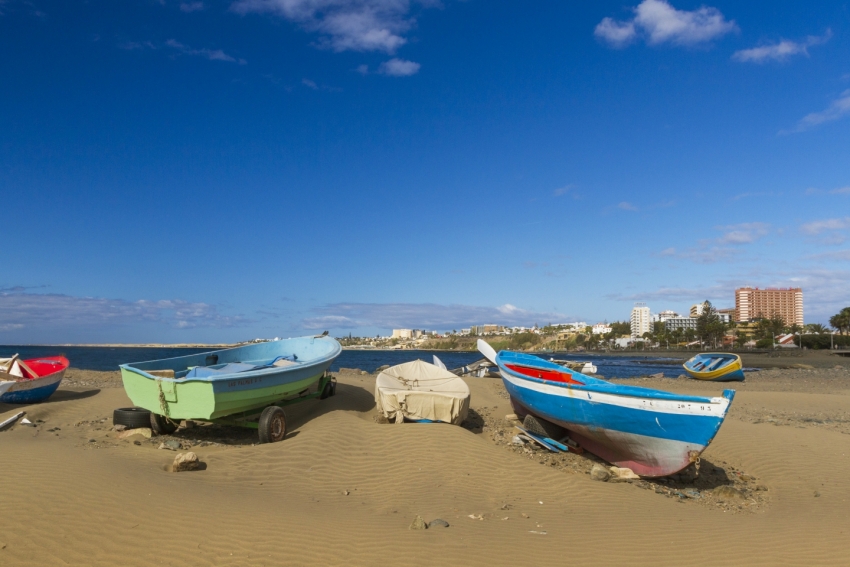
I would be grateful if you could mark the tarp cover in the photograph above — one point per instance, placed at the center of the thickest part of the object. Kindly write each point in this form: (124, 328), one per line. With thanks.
(419, 390)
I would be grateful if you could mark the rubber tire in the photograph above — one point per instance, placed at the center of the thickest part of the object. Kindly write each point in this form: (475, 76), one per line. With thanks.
(327, 391)
(161, 425)
(543, 428)
(132, 418)
(272, 426)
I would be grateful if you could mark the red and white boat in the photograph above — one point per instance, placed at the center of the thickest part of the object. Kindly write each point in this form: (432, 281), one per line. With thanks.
(30, 381)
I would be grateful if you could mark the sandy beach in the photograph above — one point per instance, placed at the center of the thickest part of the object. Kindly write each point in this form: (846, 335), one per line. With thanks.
(343, 489)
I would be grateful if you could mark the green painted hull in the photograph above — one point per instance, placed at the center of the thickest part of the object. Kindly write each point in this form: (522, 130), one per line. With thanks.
(198, 400)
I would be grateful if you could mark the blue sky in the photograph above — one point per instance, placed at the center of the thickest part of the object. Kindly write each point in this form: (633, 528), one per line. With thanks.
(220, 170)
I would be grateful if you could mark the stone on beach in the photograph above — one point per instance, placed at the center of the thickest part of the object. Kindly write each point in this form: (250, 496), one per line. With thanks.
(418, 524)
(143, 431)
(438, 523)
(600, 473)
(622, 474)
(170, 445)
(185, 462)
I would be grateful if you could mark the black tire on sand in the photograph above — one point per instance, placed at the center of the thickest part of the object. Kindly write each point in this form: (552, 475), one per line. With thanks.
(132, 418)
(272, 426)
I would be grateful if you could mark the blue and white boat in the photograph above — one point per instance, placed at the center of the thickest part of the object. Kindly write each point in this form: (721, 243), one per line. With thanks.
(716, 366)
(652, 432)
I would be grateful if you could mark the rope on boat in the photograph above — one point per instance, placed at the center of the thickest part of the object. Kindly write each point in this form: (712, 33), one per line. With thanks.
(163, 405)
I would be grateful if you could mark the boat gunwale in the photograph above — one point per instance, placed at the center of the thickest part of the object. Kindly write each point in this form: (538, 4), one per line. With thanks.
(273, 370)
(603, 386)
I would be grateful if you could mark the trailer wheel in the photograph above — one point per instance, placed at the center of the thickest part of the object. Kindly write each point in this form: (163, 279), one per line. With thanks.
(162, 425)
(540, 426)
(327, 391)
(272, 426)
(133, 418)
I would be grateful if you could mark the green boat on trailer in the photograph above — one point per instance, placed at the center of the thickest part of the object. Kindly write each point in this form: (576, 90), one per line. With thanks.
(245, 386)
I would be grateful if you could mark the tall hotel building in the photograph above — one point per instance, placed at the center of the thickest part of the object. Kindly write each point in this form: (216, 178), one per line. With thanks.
(754, 303)
(641, 321)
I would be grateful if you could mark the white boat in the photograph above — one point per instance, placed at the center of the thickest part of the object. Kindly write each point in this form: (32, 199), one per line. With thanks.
(422, 392)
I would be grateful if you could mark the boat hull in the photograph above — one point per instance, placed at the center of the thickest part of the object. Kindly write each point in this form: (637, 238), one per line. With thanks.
(30, 391)
(220, 396)
(654, 433)
(732, 372)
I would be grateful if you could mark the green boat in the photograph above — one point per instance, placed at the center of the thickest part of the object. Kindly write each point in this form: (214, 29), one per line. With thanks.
(245, 386)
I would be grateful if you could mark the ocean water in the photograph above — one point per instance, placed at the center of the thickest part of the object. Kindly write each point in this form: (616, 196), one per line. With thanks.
(108, 358)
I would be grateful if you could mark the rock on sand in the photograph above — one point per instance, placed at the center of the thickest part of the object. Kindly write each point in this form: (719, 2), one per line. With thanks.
(185, 462)
(600, 473)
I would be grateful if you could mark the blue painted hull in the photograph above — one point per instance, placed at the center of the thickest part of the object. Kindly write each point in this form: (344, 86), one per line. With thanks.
(652, 432)
(32, 391)
(715, 367)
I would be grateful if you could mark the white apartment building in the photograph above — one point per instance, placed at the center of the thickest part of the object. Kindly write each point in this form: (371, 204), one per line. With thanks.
(601, 329)
(640, 321)
(402, 333)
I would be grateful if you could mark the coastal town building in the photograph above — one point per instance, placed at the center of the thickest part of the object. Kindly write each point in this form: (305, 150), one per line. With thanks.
(601, 329)
(402, 333)
(479, 330)
(663, 316)
(697, 309)
(754, 303)
(640, 320)
(674, 323)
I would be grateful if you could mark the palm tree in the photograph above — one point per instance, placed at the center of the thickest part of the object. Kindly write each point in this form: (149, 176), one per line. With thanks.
(816, 329)
(841, 320)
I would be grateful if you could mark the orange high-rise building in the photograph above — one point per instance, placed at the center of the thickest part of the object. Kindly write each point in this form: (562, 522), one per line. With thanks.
(754, 303)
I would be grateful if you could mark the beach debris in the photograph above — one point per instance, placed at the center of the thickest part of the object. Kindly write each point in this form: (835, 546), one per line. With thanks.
(622, 474)
(137, 442)
(512, 417)
(187, 424)
(692, 493)
(25, 421)
(517, 440)
(728, 493)
(438, 523)
(170, 445)
(12, 419)
(418, 524)
(119, 428)
(656, 375)
(524, 515)
(536, 532)
(345, 493)
(382, 368)
(476, 516)
(600, 473)
(185, 462)
(817, 494)
(92, 440)
(143, 431)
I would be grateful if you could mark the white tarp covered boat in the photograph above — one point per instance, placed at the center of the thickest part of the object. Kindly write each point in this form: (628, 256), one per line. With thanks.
(420, 391)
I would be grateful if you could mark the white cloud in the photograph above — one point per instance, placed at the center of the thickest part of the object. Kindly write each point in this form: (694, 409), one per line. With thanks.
(841, 191)
(191, 6)
(357, 25)
(819, 226)
(839, 108)
(211, 54)
(310, 84)
(399, 68)
(659, 22)
(363, 69)
(561, 191)
(20, 310)
(744, 233)
(782, 50)
(626, 206)
(420, 315)
(617, 34)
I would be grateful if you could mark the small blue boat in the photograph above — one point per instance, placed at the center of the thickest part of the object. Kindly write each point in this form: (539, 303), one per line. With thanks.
(716, 366)
(652, 432)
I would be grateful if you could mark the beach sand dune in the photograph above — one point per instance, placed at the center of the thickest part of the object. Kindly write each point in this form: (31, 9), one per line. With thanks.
(343, 489)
